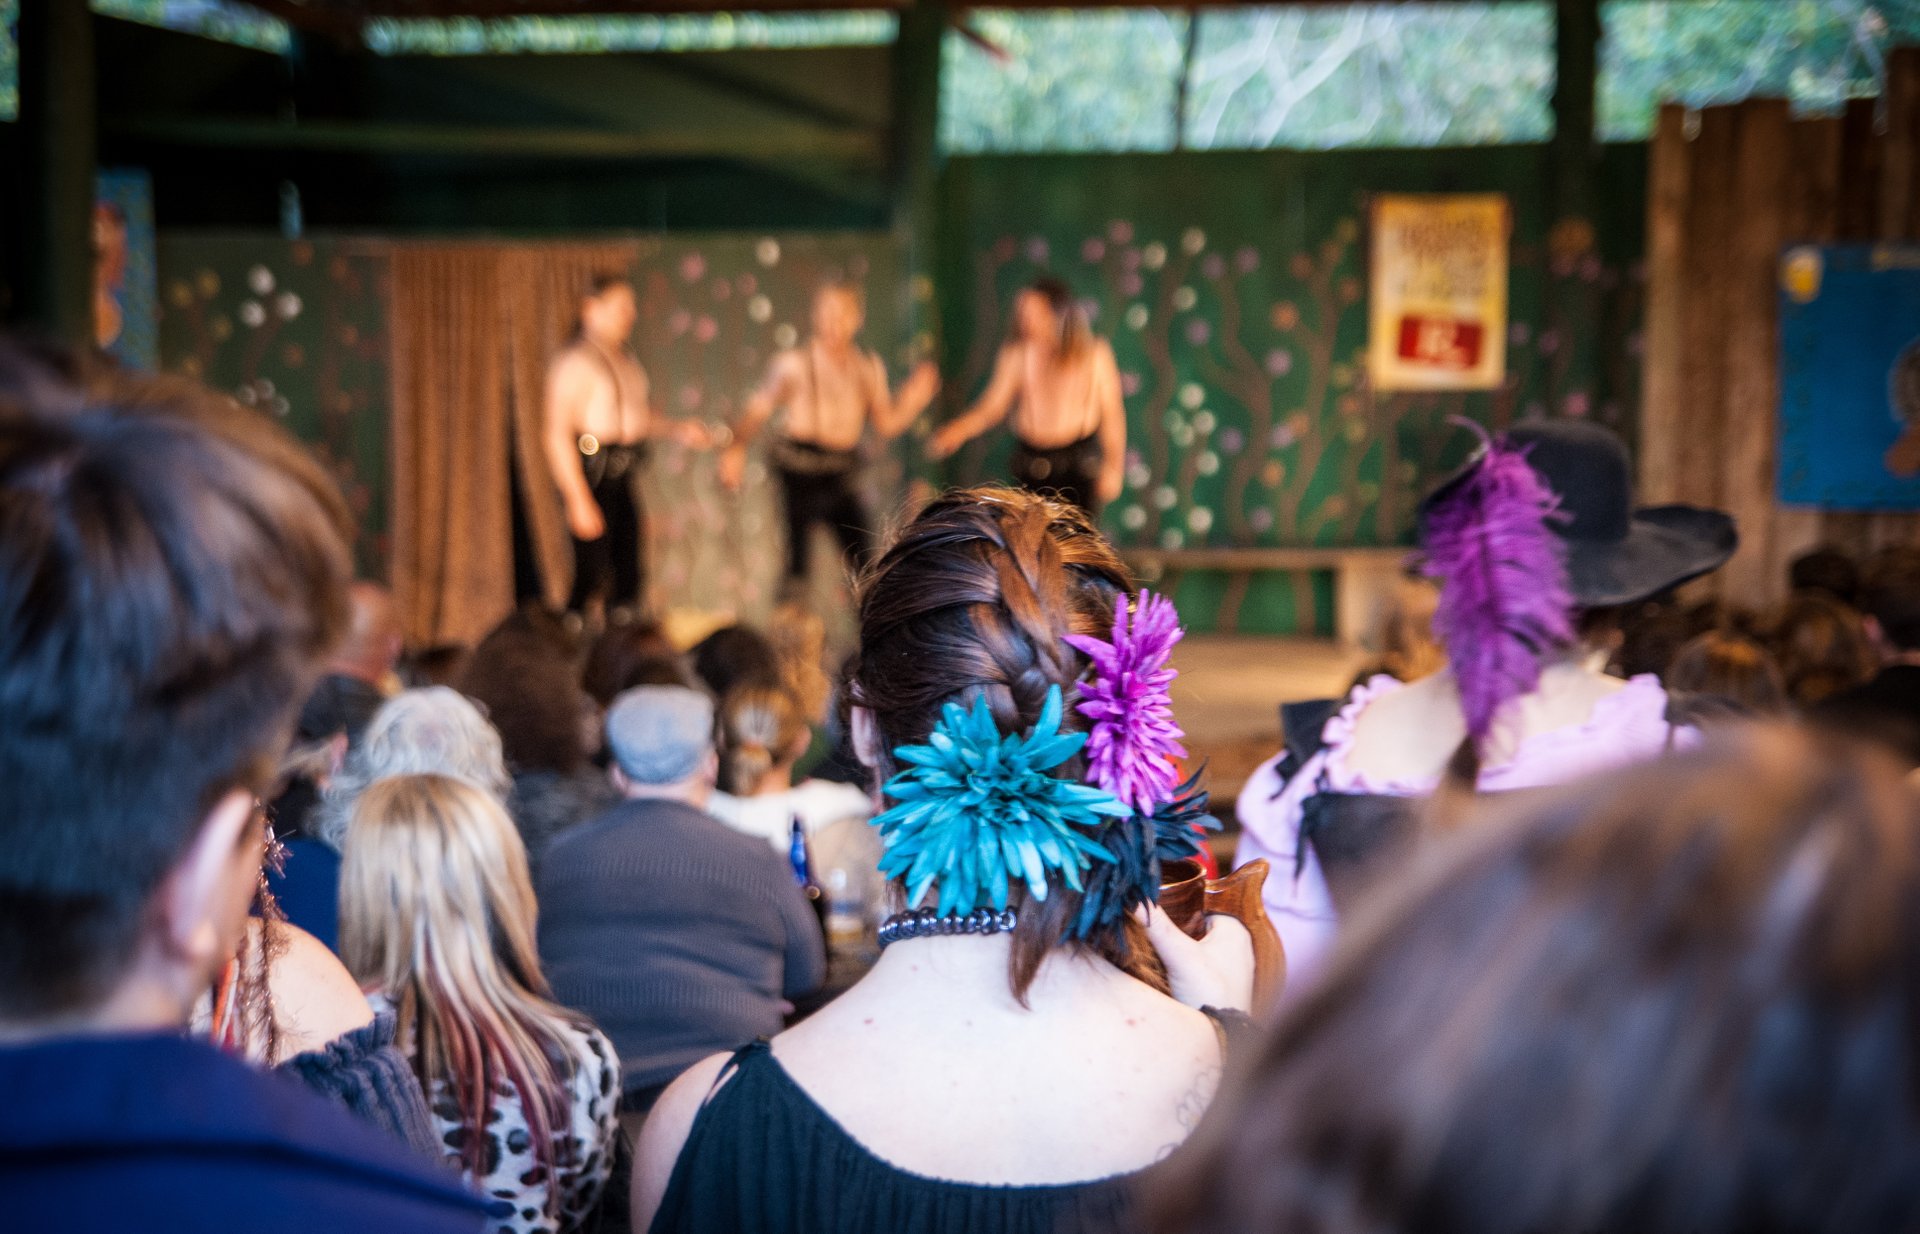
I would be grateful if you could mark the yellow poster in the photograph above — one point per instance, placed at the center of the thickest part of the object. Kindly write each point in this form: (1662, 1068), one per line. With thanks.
(1438, 310)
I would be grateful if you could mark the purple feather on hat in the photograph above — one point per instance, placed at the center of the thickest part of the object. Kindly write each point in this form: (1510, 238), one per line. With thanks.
(1504, 600)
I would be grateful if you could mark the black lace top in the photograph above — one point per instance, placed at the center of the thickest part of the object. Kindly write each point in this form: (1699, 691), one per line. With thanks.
(763, 1158)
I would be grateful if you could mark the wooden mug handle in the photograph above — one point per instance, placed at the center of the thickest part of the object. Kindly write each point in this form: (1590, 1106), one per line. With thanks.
(1238, 896)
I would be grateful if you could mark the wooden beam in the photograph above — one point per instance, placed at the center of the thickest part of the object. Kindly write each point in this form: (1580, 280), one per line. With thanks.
(860, 149)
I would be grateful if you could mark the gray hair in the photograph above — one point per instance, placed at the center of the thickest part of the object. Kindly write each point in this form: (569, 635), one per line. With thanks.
(435, 730)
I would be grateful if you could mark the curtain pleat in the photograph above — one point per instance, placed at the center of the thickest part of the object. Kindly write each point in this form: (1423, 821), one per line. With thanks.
(452, 516)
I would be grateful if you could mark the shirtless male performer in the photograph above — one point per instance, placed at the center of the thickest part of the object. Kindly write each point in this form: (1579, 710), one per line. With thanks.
(1063, 387)
(598, 425)
(832, 389)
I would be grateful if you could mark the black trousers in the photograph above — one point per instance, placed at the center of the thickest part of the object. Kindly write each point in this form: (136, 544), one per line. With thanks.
(818, 488)
(1070, 473)
(611, 566)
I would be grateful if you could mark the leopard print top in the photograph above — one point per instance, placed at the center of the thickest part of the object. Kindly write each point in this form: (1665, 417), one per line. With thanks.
(584, 1148)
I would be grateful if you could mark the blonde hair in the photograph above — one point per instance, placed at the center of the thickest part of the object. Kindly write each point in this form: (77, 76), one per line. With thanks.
(759, 726)
(437, 912)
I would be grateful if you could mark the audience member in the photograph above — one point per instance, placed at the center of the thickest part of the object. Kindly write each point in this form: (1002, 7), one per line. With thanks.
(549, 729)
(678, 935)
(1886, 709)
(733, 656)
(636, 654)
(1674, 1000)
(763, 733)
(431, 731)
(359, 677)
(1826, 570)
(285, 1001)
(1524, 703)
(149, 675)
(1013, 1076)
(439, 918)
(1722, 676)
(1821, 646)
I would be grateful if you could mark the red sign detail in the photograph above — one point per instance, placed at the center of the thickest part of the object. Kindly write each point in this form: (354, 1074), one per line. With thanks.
(1442, 342)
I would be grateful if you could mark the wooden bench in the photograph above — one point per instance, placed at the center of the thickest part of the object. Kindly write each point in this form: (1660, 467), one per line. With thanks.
(1363, 579)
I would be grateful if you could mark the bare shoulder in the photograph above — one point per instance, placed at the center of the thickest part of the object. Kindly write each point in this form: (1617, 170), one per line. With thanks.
(665, 1133)
(315, 998)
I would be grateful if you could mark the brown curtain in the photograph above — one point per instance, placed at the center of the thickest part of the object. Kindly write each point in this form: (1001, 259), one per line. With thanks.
(452, 516)
(540, 292)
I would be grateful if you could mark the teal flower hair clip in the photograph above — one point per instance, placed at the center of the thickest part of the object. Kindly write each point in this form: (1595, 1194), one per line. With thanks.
(976, 809)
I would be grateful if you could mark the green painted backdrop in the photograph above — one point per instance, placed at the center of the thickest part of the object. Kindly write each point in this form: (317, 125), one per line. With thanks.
(1233, 287)
(298, 329)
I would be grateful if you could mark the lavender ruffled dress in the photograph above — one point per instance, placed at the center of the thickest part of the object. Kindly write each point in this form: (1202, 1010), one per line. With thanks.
(1627, 726)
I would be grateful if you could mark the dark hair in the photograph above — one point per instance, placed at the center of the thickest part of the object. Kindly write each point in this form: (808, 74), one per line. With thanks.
(1651, 635)
(173, 569)
(438, 665)
(1826, 569)
(759, 726)
(622, 656)
(971, 601)
(1891, 596)
(1821, 646)
(598, 284)
(734, 656)
(531, 694)
(1722, 672)
(1075, 333)
(1679, 1000)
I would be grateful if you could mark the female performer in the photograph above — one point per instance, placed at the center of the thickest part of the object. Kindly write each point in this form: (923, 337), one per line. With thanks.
(1070, 424)
(831, 388)
(598, 425)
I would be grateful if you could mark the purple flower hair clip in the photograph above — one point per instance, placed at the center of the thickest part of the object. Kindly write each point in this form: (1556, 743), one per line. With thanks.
(1134, 736)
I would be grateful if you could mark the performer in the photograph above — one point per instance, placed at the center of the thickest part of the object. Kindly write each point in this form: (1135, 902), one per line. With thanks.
(832, 389)
(1070, 423)
(598, 426)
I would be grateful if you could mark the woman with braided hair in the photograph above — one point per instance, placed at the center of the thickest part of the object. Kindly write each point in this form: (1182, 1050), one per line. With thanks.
(1013, 1060)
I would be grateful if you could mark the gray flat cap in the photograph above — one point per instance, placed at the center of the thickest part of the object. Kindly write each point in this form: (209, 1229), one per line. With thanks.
(660, 734)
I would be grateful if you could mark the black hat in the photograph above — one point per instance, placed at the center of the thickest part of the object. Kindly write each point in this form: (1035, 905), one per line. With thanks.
(1615, 553)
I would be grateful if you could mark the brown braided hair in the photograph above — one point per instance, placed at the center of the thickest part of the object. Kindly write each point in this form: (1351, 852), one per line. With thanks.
(971, 601)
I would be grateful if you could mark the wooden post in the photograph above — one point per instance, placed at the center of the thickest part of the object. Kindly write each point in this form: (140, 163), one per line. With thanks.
(1750, 340)
(1709, 221)
(58, 139)
(1663, 389)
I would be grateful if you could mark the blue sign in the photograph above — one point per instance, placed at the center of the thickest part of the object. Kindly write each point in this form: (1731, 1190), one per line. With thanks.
(1850, 377)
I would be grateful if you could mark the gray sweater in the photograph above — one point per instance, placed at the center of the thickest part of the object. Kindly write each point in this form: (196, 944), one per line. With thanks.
(679, 936)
